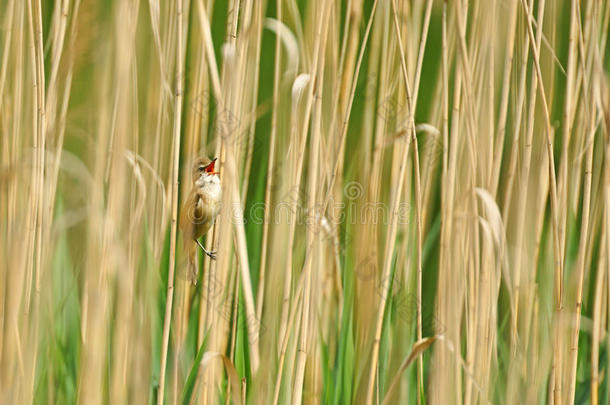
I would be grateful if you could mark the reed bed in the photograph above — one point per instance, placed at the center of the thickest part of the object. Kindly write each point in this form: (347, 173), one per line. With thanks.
(415, 206)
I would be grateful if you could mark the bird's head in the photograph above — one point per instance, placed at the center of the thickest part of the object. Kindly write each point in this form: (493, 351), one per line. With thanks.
(203, 170)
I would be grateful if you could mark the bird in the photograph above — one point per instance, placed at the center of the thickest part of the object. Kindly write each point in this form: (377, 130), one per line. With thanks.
(199, 211)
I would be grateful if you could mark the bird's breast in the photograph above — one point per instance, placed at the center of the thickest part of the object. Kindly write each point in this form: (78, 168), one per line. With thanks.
(212, 191)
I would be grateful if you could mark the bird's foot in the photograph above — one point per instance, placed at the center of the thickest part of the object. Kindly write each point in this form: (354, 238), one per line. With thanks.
(211, 255)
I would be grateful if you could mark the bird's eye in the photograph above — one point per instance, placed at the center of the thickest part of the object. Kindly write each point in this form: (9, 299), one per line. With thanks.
(201, 168)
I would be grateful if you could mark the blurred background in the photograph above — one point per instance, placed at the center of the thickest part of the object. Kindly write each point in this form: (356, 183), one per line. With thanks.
(415, 204)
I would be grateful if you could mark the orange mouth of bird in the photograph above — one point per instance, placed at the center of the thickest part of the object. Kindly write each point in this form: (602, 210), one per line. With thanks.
(209, 169)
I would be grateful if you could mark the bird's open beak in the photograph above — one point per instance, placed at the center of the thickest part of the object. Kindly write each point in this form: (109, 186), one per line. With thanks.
(211, 166)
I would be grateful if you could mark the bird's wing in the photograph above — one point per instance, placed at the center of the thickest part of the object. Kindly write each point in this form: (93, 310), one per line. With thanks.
(190, 214)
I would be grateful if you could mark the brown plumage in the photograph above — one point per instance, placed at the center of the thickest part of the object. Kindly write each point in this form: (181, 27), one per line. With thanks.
(199, 211)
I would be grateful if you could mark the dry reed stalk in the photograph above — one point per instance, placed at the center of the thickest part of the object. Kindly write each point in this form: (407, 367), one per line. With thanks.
(295, 313)
(420, 364)
(270, 166)
(420, 59)
(234, 283)
(391, 233)
(582, 250)
(605, 195)
(416, 165)
(9, 14)
(314, 97)
(447, 213)
(348, 107)
(503, 112)
(257, 27)
(373, 86)
(209, 52)
(253, 325)
(298, 88)
(231, 168)
(178, 100)
(230, 198)
(553, 187)
(367, 240)
(445, 159)
(352, 70)
(418, 348)
(60, 123)
(521, 198)
(600, 279)
(519, 122)
(571, 93)
(13, 134)
(570, 111)
(201, 89)
(522, 195)
(35, 17)
(190, 147)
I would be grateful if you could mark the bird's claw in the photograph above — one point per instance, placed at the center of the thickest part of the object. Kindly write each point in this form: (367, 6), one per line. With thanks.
(211, 255)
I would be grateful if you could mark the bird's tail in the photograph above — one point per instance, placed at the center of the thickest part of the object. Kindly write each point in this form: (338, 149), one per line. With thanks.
(191, 267)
